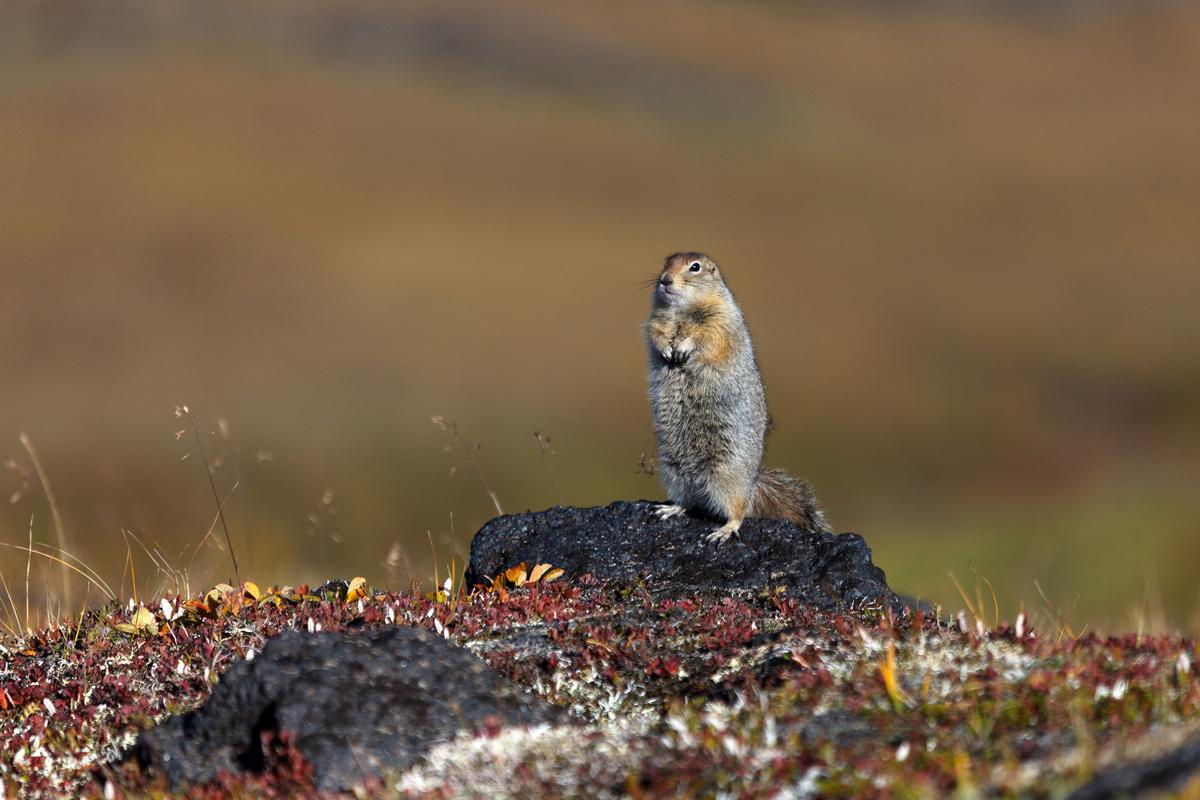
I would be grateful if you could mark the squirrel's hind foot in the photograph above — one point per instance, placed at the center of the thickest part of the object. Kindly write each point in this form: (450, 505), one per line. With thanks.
(722, 534)
(668, 511)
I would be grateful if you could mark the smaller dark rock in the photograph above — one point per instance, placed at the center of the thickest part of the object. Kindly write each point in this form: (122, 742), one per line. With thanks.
(839, 726)
(1166, 773)
(356, 706)
(336, 589)
(625, 543)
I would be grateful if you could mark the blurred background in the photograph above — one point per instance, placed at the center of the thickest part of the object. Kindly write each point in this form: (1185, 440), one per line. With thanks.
(965, 236)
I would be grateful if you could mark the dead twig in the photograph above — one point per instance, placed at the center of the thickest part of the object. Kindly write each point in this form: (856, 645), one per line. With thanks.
(185, 412)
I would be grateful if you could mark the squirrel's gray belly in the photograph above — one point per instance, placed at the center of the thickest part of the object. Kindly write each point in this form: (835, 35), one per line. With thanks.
(709, 428)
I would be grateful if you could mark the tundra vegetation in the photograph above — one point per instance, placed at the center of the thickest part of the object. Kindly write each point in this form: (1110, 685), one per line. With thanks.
(755, 696)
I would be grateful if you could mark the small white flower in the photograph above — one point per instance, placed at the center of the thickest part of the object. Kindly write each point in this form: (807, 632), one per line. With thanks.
(1183, 663)
(1021, 625)
(180, 667)
(902, 751)
(250, 654)
(1119, 689)
(110, 793)
(49, 704)
(168, 611)
(312, 626)
(390, 616)
(770, 732)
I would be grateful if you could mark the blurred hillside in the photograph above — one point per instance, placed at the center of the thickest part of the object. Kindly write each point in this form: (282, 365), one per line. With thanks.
(965, 238)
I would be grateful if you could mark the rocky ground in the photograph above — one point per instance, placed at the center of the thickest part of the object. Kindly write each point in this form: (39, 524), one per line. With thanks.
(592, 688)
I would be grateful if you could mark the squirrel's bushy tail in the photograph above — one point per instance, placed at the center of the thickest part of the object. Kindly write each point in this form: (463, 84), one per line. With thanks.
(778, 495)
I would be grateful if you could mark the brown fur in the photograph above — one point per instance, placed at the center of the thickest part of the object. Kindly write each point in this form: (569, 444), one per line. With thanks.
(707, 326)
(779, 495)
(710, 327)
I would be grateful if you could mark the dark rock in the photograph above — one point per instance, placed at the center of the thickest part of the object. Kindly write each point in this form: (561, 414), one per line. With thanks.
(626, 543)
(1164, 774)
(841, 726)
(356, 706)
(336, 589)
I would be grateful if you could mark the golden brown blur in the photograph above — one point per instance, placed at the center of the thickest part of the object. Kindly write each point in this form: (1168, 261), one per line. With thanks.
(965, 237)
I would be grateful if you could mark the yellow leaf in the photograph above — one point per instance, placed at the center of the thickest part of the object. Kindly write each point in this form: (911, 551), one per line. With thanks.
(552, 575)
(887, 670)
(218, 593)
(143, 621)
(252, 590)
(516, 575)
(125, 627)
(357, 590)
(537, 572)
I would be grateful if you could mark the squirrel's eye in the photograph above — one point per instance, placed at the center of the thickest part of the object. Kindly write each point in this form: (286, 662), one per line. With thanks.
(695, 266)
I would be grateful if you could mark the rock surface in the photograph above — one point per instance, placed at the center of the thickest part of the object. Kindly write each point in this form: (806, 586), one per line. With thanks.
(626, 543)
(356, 705)
(1166, 773)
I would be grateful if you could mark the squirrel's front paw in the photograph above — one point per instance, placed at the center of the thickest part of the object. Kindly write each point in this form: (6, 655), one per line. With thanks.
(678, 354)
(684, 349)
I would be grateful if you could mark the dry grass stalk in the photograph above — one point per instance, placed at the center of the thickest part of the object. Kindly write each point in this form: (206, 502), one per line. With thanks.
(470, 453)
(59, 527)
(647, 466)
(185, 412)
(543, 443)
(92, 578)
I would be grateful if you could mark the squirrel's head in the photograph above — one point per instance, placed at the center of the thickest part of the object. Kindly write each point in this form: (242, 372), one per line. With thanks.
(685, 278)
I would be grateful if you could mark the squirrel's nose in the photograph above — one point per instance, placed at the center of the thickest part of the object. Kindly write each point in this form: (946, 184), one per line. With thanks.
(666, 280)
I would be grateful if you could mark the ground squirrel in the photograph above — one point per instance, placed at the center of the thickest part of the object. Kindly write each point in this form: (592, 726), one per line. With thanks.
(710, 417)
